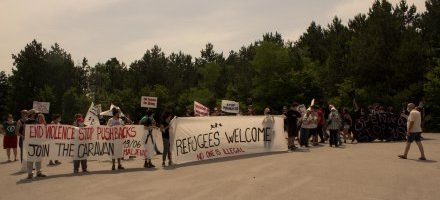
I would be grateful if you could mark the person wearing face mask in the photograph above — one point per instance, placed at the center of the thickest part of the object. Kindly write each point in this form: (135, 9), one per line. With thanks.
(414, 131)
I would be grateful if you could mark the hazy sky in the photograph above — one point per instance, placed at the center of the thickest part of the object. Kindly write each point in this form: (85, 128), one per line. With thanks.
(102, 29)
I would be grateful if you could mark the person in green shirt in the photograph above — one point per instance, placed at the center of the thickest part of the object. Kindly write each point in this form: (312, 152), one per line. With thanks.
(10, 140)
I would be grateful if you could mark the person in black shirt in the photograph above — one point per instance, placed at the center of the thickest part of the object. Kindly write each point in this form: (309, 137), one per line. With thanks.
(292, 117)
(165, 129)
(10, 139)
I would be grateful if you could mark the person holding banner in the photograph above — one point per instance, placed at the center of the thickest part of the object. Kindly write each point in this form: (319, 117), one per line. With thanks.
(30, 164)
(165, 129)
(19, 131)
(56, 118)
(149, 123)
(79, 122)
(116, 121)
(10, 139)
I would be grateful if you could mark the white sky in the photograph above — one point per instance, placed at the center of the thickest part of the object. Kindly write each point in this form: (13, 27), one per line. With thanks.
(102, 29)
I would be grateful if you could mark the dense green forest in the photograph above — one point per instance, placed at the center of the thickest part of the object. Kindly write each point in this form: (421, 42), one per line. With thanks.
(390, 55)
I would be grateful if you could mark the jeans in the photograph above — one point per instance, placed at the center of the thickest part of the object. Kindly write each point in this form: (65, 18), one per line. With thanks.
(334, 137)
(20, 144)
(166, 149)
(304, 137)
(30, 166)
(77, 163)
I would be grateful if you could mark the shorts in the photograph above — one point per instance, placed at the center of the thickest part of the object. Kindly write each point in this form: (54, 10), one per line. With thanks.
(292, 132)
(10, 142)
(414, 137)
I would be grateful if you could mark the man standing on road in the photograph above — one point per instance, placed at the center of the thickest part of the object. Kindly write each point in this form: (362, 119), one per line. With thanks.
(414, 131)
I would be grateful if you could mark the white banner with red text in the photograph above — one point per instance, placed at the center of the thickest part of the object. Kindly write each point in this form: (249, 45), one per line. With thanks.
(202, 138)
(57, 142)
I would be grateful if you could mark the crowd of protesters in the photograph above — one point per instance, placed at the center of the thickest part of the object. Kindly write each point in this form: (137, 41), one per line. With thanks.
(303, 126)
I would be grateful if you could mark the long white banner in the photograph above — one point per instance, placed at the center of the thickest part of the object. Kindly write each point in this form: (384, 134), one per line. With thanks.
(201, 138)
(91, 142)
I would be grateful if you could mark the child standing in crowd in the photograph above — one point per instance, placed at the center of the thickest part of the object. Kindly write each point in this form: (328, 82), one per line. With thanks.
(149, 123)
(56, 118)
(165, 129)
(10, 139)
(116, 121)
(79, 122)
(334, 124)
(30, 164)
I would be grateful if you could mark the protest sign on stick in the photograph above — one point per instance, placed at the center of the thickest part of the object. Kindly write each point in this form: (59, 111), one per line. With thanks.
(42, 107)
(92, 115)
(148, 102)
(230, 106)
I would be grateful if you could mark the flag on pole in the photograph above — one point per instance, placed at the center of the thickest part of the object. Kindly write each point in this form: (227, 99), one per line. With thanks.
(200, 110)
(92, 115)
(109, 112)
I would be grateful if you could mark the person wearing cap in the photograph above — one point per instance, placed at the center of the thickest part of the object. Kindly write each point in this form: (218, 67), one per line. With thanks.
(79, 122)
(19, 131)
(32, 119)
(414, 131)
(334, 124)
(116, 121)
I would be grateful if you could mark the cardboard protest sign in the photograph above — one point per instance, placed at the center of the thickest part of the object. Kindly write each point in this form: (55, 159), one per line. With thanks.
(202, 138)
(200, 110)
(42, 107)
(148, 102)
(230, 106)
(92, 115)
(92, 142)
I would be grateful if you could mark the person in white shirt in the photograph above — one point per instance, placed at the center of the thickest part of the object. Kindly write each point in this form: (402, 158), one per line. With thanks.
(414, 131)
(116, 121)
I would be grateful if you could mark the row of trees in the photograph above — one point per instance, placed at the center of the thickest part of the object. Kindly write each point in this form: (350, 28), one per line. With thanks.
(389, 55)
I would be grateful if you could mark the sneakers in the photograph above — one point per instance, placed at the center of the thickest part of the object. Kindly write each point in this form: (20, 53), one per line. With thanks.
(30, 176)
(120, 167)
(148, 164)
(41, 175)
